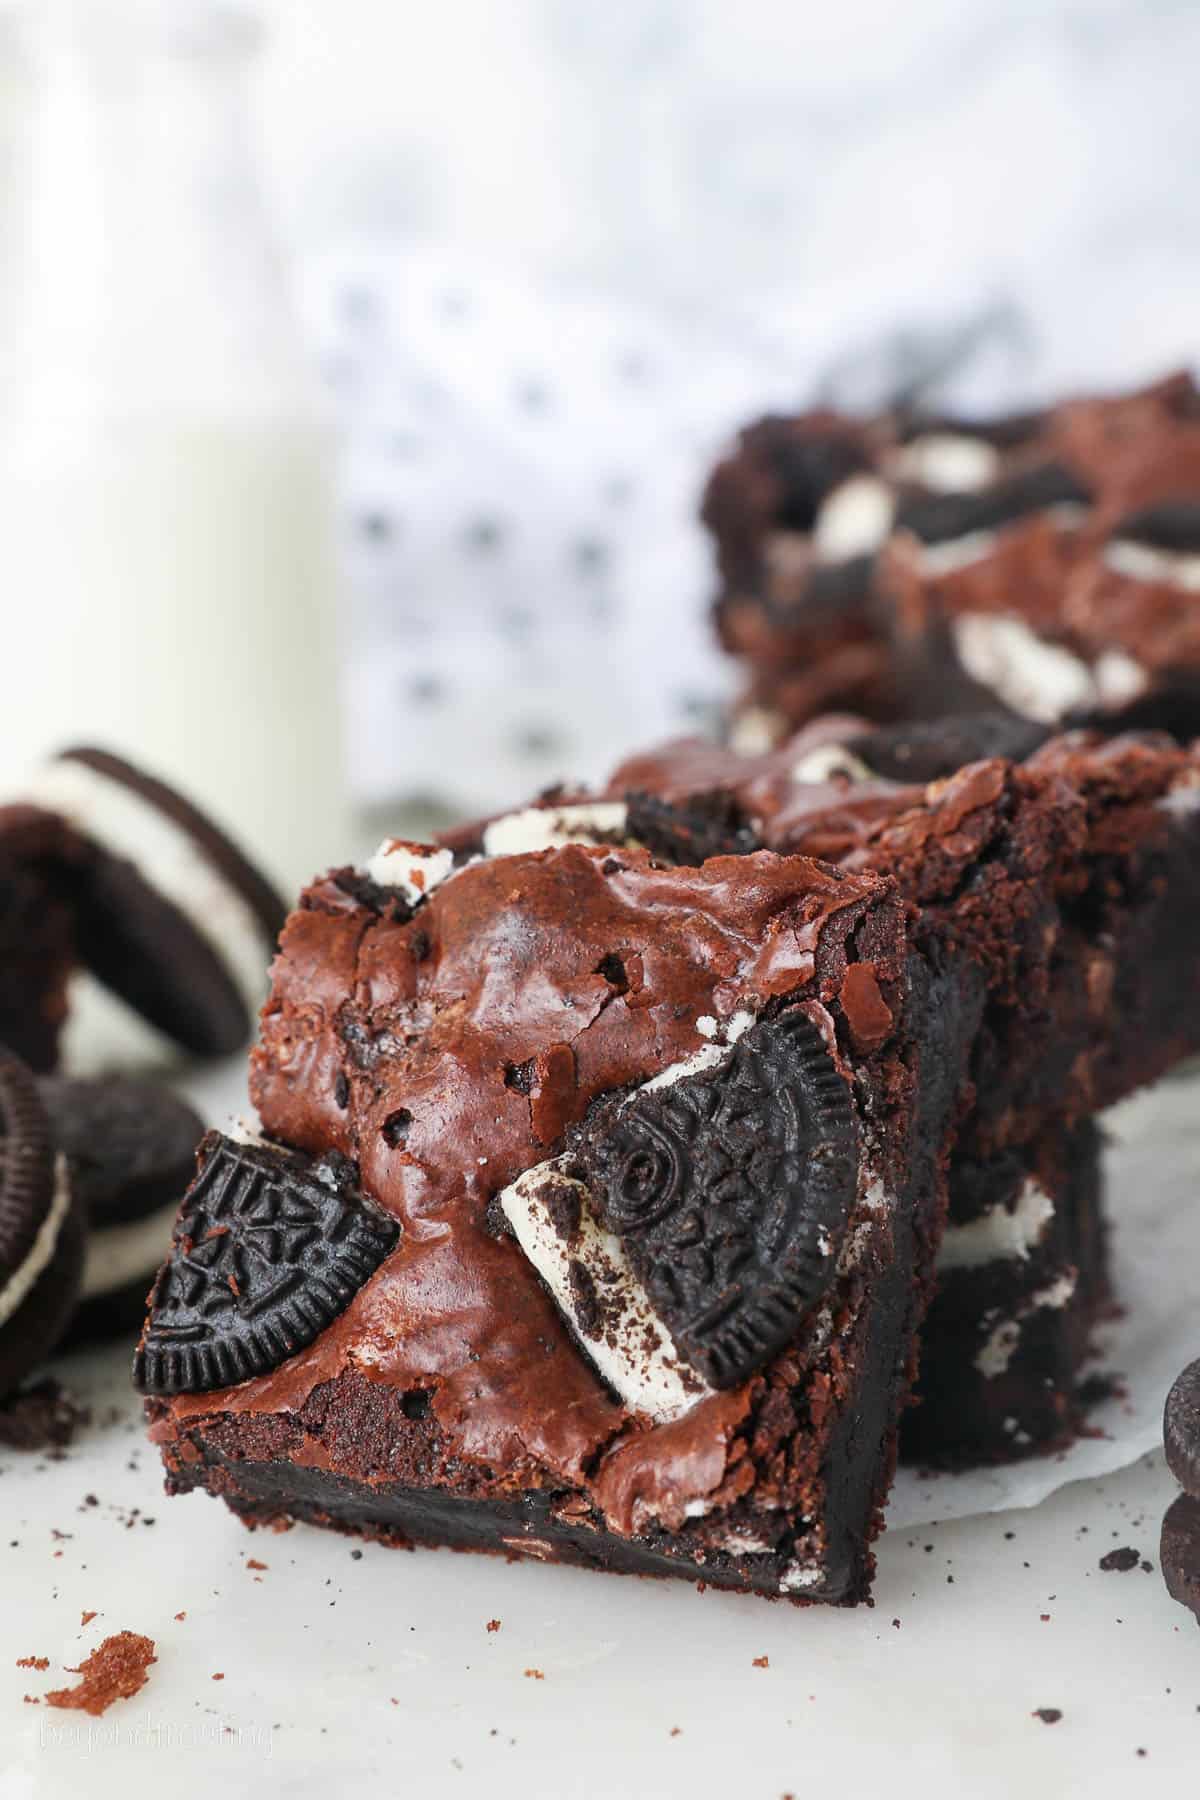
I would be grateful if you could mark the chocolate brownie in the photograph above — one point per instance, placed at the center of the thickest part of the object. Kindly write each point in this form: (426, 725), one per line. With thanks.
(40, 861)
(1022, 1281)
(662, 1154)
(170, 914)
(1045, 564)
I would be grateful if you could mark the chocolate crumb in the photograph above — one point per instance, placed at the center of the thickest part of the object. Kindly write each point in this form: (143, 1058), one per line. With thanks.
(492, 1625)
(85, 1618)
(42, 1417)
(761, 1662)
(219, 1676)
(180, 1617)
(1049, 1715)
(534, 1675)
(1121, 1560)
(252, 1562)
(33, 1662)
(116, 1670)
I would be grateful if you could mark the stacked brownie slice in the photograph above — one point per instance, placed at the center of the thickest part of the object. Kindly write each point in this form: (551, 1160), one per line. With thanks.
(909, 567)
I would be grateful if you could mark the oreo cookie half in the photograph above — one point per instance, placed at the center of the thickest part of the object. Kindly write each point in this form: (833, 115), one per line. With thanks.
(269, 1248)
(41, 1229)
(130, 1148)
(171, 916)
(729, 1190)
(1181, 1429)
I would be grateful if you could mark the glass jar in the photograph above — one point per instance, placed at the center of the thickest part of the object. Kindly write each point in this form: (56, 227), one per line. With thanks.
(163, 484)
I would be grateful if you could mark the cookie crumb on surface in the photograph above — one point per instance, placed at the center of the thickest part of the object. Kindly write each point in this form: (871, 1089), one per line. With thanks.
(762, 1662)
(1049, 1715)
(252, 1562)
(33, 1662)
(85, 1618)
(534, 1675)
(117, 1669)
(1121, 1560)
(492, 1625)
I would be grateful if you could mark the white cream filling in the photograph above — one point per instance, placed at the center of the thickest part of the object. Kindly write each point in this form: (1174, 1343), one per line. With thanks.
(552, 827)
(118, 1254)
(25, 1276)
(1143, 562)
(829, 761)
(633, 1351)
(853, 520)
(998, 1234)
(1037, 679)
(414, 869)
(167, 856)
(798, 1576)
(1184, 796)
(948, 462)
(756, 729)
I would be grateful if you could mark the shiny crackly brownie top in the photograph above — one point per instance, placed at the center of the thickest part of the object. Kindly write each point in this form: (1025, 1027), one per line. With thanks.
(447, 1028)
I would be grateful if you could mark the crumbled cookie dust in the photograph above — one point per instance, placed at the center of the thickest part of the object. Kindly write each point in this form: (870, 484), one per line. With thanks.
(414, 870)
(116, 1670)
(42, 1417)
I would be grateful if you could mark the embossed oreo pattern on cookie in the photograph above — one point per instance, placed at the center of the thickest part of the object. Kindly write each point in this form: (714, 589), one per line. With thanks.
(270, 1247)
(730, 1190)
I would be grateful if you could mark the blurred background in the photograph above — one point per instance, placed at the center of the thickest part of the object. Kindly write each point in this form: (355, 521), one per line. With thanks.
(360, 363)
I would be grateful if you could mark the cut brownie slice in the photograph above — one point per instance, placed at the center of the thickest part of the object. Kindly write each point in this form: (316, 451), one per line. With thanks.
(1022, 1281)
(908, 566)
(665, 1152)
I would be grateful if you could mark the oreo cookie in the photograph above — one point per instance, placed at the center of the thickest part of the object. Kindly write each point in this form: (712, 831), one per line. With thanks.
(931, 751)
(269, 1248)
(689, 831)
(940, 518)
(808, 458)
(1179, 1552)
(171, 916)
(41, 1229)
(1181, 1430)
(40, 862)
(729, 1189)
(1172, 525)
(130, 1149)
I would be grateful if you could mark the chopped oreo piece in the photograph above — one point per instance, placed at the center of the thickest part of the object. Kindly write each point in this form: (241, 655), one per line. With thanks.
(1008, 431)
(809, 459)
(730, 1191)
(270, 1247)
(1169, 525)
(1181, 1429)
(689, 832)
(930, 751)
(939, 518)
(1179, 1552)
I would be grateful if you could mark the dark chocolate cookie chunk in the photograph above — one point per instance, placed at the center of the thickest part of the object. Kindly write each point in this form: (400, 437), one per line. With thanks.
(41, 1229)
(1179, 1552)
(270, 1246)
(171, 916)
(730, 1190)
(808, 458)
(1181, 1429)
(931, 751)
(689, 832)
(939, 518)
(1169, 525)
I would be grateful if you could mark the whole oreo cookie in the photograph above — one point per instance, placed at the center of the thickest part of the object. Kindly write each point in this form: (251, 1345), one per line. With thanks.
(269, 1248)
(1181, 1429)
(730, 1190)
(171, 916)
(130, 1148)
(1179, 1552)
(41, 1229)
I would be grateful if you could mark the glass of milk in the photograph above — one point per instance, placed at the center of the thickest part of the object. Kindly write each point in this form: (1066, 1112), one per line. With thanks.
(167, 569)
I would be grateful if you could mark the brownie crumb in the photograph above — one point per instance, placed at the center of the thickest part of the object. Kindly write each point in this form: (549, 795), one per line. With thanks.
(180, 1617)
(252, 1562)
(1121, 1560)
(116, 1670)
(762, 1662)
(219, 1676)
(33, 1662)
(1049, 1715)
(492, 1625)
(42, 1417)
(85, 1618)
(534, 1675)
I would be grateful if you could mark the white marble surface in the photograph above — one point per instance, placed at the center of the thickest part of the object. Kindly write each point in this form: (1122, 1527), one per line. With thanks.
(379, 1670)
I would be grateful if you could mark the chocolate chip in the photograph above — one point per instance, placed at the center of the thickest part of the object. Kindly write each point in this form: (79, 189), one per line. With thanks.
(731, 1190)
(270, 1246)
(416, 1403)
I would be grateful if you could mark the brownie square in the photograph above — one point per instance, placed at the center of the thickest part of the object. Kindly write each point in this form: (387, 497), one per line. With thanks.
(665, 1152)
